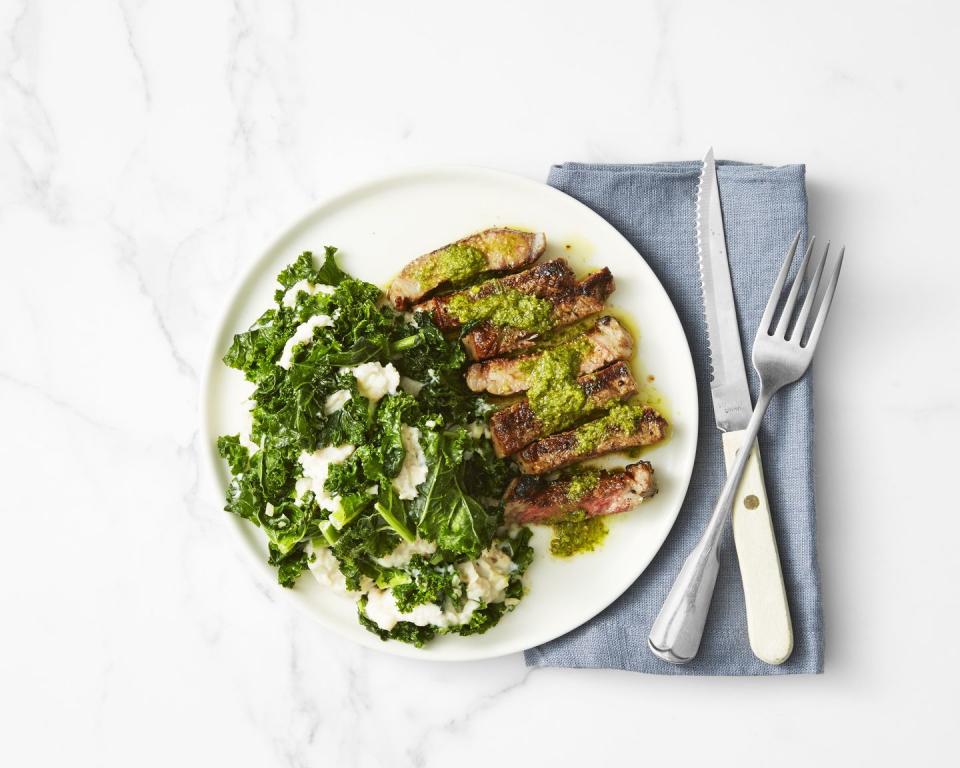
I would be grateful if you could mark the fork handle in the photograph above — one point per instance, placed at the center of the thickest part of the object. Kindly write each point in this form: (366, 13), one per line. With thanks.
(676, 632)
(768, 614)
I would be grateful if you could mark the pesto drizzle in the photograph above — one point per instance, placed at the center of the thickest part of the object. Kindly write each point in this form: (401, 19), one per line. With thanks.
(554, 395)
(504, 306)
(577, 533)
(455, 264)
(582, 483)
(620, 418)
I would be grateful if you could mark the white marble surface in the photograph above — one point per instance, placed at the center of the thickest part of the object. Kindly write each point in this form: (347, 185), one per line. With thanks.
(148, 149)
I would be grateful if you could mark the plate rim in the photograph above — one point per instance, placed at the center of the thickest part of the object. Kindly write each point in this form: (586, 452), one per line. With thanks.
(213, 358)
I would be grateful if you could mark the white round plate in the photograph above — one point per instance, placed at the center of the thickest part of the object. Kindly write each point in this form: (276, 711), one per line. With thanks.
(380, 226)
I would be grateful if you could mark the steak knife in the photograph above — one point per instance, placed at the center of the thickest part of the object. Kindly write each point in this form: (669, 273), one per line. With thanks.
(768, 615)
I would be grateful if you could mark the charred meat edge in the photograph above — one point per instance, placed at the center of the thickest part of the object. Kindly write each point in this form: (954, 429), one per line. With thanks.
(530, 499)
(586, 298)
(548, 280)
(406, 289)
(516, 425)
(560, 450)
(609, 341)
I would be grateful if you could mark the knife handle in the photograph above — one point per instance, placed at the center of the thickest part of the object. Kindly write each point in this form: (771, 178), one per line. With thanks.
(768, 614)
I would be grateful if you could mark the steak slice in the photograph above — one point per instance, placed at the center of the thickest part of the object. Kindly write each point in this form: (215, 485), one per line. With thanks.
(503, 250)
(586, 298)
(531, 499)
(516, 425)
(608, 340)
(548, 280)
(564, 448)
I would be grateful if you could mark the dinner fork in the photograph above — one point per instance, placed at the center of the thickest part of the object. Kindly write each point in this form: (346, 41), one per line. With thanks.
(781, 354)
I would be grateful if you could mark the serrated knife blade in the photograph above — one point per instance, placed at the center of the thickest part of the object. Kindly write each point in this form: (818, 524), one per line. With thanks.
(731, 395)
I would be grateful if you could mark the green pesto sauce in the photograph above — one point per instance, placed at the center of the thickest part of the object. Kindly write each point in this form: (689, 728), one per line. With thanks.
(620, 418)
(577, 533)
(455, 264)
(505, 306)
(582, 483)
(554, 395)
(566, 333)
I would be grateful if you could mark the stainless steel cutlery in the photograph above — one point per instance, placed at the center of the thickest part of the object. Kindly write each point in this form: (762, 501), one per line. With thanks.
(769, 628)
(782, 352)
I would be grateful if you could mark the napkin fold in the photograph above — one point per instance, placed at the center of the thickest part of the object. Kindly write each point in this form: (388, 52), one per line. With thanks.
(654, 207)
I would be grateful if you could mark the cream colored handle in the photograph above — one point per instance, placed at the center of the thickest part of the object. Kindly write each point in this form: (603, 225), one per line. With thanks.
(768, 615)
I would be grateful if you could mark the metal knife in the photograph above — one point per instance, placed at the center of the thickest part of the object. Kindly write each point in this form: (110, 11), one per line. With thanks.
(768, 615)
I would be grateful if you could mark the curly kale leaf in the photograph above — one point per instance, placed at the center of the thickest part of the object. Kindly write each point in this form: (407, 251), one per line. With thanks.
(290, 565)
(303, 268)
(393, 412)
(428, 584)
(392, 509)
(291, 408)
(424, 355)
(245, 497)
(255, 351)
(260, 488)
(350, 423)
(237, 456)
(290, 419)
(359, 315)
(444, 511)
(245, 492)
(448, 400)
(286, 524)
(404, 631)
(381, 452)
(367, 537)
(330, 272)
(482, 619)
(361, 328)
(363, 350)
(347, 477)
(423, 349)
(277, 467)
(486, 476)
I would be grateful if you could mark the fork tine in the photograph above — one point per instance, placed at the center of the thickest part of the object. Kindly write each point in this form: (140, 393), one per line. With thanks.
(784, 323)
(801, 324)
(825, 304)
(767, 320)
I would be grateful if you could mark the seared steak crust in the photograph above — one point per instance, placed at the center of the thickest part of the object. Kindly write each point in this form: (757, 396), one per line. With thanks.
(505, 250)
(560, 450)
(548, 280)
(531, 499)
(516, 425)
(586, 298)
(609, 341)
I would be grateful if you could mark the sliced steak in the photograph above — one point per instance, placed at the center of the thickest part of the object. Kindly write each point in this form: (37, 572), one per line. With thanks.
(563, 449)
(548, 280)
(503, 250)
(609, 341)
(531, 499)
(516, 425)
(586, 298)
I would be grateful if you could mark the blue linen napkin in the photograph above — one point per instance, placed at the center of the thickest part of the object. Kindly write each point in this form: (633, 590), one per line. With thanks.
(654, 207)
